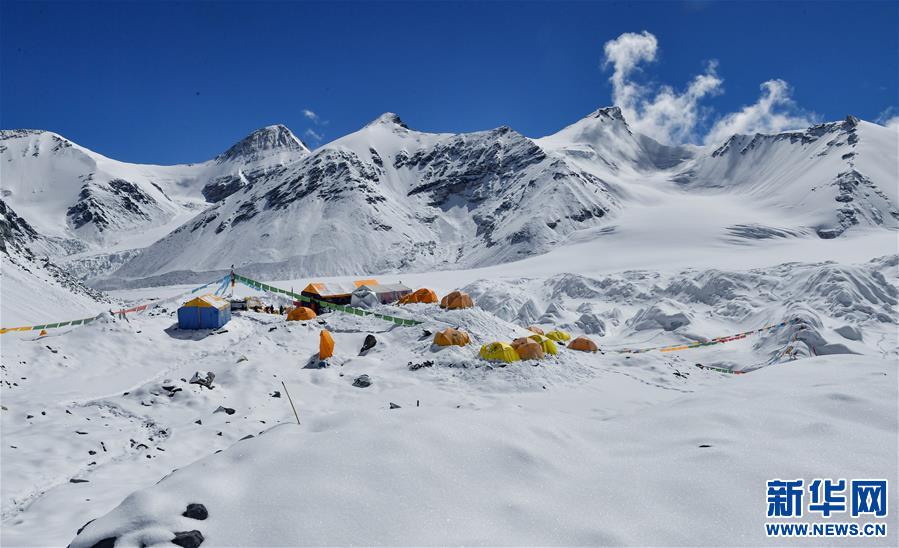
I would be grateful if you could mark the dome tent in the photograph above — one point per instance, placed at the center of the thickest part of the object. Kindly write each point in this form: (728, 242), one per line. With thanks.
(301, 313)
(583, 344)
(364, 297)
(451, 337)
(528, 349)
(456, 300)
(498, 351)
(548, 345)
(559, 335)
(423, 295)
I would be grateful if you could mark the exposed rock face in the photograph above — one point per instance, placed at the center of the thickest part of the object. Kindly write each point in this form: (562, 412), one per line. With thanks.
(255, 145)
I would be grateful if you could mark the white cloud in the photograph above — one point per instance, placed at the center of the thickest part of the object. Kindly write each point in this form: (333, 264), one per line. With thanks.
(658, 111)
(311, 115)
(313, 135)
(774, 112)
(673, 116)
(889, 119)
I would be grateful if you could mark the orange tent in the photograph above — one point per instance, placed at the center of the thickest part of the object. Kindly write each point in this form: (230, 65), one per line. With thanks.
(325, 345)
(451, 337)
(301, 313)
(423, 295)
(583, 344)
(528, 349)
(535, 329)
(456, 299)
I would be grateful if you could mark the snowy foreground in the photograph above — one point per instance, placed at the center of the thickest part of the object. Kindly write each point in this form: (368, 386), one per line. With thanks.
(580, 449)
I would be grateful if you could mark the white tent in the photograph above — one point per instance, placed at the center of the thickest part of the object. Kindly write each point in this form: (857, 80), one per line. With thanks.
(363, 297)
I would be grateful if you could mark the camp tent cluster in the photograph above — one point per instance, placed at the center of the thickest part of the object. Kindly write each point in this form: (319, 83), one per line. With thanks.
(534, 347)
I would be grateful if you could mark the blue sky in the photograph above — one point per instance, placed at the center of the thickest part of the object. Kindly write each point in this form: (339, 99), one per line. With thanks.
(180, 82)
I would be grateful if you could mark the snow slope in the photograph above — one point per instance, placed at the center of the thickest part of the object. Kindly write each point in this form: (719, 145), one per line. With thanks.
(533, 453)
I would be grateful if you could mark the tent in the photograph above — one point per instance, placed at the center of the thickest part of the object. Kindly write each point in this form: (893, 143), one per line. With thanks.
(451, 337)
(325, 345)
(535, 329)
(204, 312)
(559, 336)
(423, 295)
(583, 344)
(301, 313)
(332, 292)
(548, 345)
(455, 300)
(528, 349)
(383, 293)
(498, 351)
(363, 297)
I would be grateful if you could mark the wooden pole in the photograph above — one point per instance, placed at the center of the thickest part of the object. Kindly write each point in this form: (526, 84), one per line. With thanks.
(291, 402)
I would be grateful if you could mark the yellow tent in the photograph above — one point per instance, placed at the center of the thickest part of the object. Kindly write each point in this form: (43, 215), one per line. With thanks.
(451, 337)
(325, 345)
(423, 295)
(456, 299)
(549, 347)
(300, 313)
(583, 344)
(559, 335)
(497, 351)
(528, 349)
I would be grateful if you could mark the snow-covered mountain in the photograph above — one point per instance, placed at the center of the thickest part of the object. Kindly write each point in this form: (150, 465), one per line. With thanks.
(32, 284)
(389, 198)
(829, 177)
(93, 209)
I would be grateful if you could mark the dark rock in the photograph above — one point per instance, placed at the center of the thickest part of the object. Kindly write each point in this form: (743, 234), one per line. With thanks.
(196, 510)
(248, 436)
(362, 381)
(394, 406)
(276, 394)
(704, 445)
(188, 539)
(203, 379)
(370, 342)
(82, 527)
(77, 480)
(417, 366)
(105, 543)
(198, 421)
(227, 410)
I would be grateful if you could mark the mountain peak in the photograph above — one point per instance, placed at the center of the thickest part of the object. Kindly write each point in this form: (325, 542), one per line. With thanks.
(388, 118)
(262, 141)
(612, 113)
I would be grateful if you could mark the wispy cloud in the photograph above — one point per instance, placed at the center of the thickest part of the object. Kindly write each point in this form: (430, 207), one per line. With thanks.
(310, 114)
(314, 136)
(674, 116)
(889, 118)
(773, 112)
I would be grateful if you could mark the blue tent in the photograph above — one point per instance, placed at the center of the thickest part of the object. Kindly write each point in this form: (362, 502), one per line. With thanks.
(206, 312)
